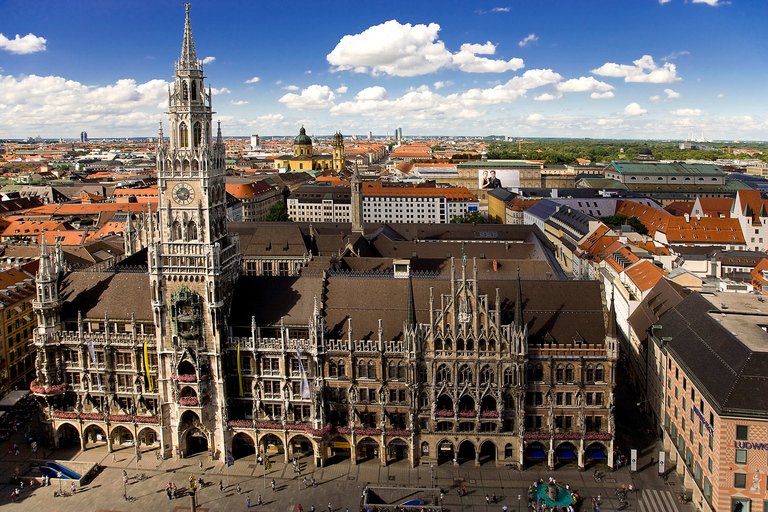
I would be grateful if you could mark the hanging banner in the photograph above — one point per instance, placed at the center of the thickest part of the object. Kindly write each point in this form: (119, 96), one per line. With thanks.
(146, 367)
(93, 359)
(304, 383)
(633, 460)
(239, 373)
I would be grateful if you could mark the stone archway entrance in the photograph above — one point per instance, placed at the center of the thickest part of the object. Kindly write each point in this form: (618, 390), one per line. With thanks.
(367, 449)
(466, 452)
(398, 450)
(445, 452)
(68, 436)
(301, 446)
(195, 442)
(271, 445)
(242, 446)
(338, 450)
(95, 435)
(121, 437)
(487, 453)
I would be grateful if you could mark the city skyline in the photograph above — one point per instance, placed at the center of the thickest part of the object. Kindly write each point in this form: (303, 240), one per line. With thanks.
(649, 69)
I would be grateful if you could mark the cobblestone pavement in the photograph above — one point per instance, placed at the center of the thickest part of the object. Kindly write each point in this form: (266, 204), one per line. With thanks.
(339, 484)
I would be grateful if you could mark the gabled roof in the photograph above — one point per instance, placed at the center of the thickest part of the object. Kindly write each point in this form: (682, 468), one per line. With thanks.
(644, 274)
(750, 205)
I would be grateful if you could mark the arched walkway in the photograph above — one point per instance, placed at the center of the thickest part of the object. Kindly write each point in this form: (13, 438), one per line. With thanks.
(397, 450)
(566, 453)
(243, 445)
(121, 437)
(195, 442)
(595, 452)
(95, 435)
(367, 449)
(445, 452)
(147, 436)
(535, 452)
(338, 450)
(466, 452)
(301, 446)
(487, 452)
(68, 436)
(271, 445)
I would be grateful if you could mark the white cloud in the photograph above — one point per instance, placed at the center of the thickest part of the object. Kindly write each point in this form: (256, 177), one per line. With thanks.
(308, 72)
(410, 50)
(655, 98)
(236, 103)
(671, 94)
(501, 9)
(644, 70)
(583, 84)
(314, 97)
(687, 112)
(713, 3)
(30, 43)
(62, 106)
(633, 109)
(602, 95)
(223, 90)
(252, 80)
(535, 117)
(530, 38)
(675, 55)
(440, 84)
(375, 93)
(662, 2)
(546, 97)
(292, 88)
(208, 60)
(721, 95)
(278, 82)
(342, 89)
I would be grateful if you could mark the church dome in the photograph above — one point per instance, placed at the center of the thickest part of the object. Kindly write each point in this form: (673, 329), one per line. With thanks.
(302, 138)
(645, 151)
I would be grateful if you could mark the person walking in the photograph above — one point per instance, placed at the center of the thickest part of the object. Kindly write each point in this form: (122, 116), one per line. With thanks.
(247, 502)
(305, 482)
(312, 508)
(487, 499)
(273, 485)
(300, 508)
(258, 500)
(330, 508)
(74, 488)
(200, 465)
(238, 489)
(221, 485)
(464, 490)
(312, 480)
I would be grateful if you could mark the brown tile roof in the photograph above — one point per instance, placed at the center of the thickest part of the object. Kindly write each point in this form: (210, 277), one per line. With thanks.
(98, 293)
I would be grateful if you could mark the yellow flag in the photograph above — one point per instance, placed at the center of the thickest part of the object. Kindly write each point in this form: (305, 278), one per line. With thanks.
(146, 366)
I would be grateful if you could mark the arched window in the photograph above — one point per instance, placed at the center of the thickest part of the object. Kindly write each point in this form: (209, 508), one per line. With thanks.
(175, 231)
(538, 372)
(509, 401)
(362, 370)
(371, 370)
(184, 91)
(465, 375)
(332, 369)
(191, 231)
(401, 370)
(509, 377)
(422, 373)
(600, 373)
(198, 131)
(590, 373)
(194, 90)
(392, 370)
(486, 375)
(443, 375)
(423, 401)
(560, 373)
(569, 373)
(341, 368)
(183, 136)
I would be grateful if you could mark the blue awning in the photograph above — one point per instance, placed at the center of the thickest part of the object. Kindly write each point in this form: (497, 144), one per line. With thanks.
(535, 453)
(595, 453)
(565, 454)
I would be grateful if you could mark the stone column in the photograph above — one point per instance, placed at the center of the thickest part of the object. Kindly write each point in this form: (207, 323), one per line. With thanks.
(352, 449)
(610, 455)
(383, 455)
(551, 455)
(581, 454)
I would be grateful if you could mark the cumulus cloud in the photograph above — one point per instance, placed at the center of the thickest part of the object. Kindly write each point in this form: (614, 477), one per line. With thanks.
(440, 84)
(602, 95)
(671, 94)
(655, 98)
(598, 89)
(208, 60)
(535, 117)
(675, 55)
(372, 93)
(223, 90)
(530, 38)
(252, 80)
(342, 89)
(60, 105)
(682, 112)
(278, 82)
(291, 87)
(501, 9)
(314, 97)
(545, 97)
(643, 70)
(721, 95)
(713, 3)
(236, 103)
(30, 43)
(633, 109)
(410, 50)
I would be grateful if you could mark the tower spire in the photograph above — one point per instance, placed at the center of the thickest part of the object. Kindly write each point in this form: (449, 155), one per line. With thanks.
(188, 55)
(519, 323)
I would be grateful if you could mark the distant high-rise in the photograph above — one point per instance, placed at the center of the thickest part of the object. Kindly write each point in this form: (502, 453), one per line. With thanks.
(399, 134)
(83, 136)
(370, 135)
(255, 141)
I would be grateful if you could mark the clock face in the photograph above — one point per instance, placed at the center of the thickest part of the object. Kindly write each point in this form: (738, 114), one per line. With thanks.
(183, 193)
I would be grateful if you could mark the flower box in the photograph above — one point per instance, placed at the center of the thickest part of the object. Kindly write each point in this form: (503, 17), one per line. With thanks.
(444, 414)
(489, 414)
(187, 378)
(35, 387)
(92, 416)
(404, 433)
(602, 436)
(467, 414)
(120, 418)
(537, 435)
(146, 419)
(240, 423)
(65, 415)
(188, 401)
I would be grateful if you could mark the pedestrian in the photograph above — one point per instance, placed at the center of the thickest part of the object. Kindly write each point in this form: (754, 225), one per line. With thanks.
(16, 448)
(273, 485)
(305, 482)
(458, 491)
(74, 488)
(313, 481)
(330, 508)
(221, 485)
(300, 508)
(464, 490)
(312, 508)
(258, 500)
(247, 502)
(504, 508)
(201, 465)
(493, 498)
(442, 495)
(487, 499)
(238, 488)
(113, 457)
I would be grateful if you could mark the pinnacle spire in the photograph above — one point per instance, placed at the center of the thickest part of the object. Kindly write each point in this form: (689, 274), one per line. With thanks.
(519, 323)
(188, 55)
(410, 320)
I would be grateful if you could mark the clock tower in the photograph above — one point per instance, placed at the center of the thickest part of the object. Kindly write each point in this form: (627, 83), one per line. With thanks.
(193, 265)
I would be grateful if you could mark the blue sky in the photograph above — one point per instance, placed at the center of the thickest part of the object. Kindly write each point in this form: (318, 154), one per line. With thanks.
(603, 68)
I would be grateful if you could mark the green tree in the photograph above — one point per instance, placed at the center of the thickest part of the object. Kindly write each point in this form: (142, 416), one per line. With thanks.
(469, 218)
(278, 212)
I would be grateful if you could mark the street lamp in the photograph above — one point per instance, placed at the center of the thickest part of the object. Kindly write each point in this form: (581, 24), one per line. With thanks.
(432, 474)
(518, 503)
(58, 475)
